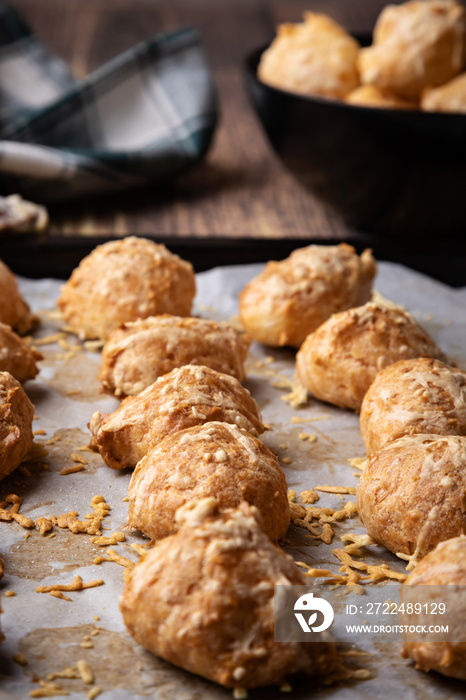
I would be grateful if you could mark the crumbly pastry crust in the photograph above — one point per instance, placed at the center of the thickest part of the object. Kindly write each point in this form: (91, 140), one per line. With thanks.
(340, 360)
(411, 493)
(187, 396)
(137, 353)
(444, 566)
(125, 280)
(411, 397)
(213, 460)
(315, 57)
(415, 45)
(16, 416)
(450, 97)
(202, 599)
(17, 357)
(14, 311)
(291, 298)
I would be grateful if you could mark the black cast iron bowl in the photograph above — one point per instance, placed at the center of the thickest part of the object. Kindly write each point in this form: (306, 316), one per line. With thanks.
(392, 172)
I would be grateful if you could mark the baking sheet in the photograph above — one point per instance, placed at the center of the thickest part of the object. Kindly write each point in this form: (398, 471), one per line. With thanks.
(50, 632)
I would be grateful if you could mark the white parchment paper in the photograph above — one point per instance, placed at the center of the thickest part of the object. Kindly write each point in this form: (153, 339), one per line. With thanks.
(50, 632)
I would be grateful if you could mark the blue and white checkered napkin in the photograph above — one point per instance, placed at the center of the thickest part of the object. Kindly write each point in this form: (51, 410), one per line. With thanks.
(143, 118)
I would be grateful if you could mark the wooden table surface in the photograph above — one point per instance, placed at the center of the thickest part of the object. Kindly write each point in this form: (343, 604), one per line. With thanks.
(241, 194)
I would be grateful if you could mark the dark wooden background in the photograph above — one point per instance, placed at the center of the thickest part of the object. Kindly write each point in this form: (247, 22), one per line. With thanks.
(241, 195)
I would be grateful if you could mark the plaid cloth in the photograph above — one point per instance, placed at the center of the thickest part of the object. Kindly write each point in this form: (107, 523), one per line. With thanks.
(143, 118)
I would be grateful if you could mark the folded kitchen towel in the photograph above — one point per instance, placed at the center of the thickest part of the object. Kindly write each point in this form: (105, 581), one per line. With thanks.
(141, 119)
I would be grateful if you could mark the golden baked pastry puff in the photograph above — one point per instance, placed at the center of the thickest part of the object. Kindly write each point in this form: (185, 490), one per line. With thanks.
(415, 45)
(16, 356)
(411, 494)
(215, 459)
(203, 599)
(291, 298)
(440, 578)
(340, 360)
(187, 396)
(14, 311)
(137, 353)
(16, 416)
(122, 281)
(315, 57)
(415, 396)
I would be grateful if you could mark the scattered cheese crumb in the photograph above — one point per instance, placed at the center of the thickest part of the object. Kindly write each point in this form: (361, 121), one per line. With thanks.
(296, 397)
(336, 489)
(308, 436)
(76, 585)
(61, 595)
(9, 594)
(377, 572)
(112, 540)
(20, 659)
(312, 572)
(117, 558)
(47, 690)
(78, 458)
(94, 345)
(44, 525)
(69, 672)
(49, 339)
(309, 496)
(356, 541)
(358, 463)
(23, 521)
(298, 419)
(139, 549)
(72, 470)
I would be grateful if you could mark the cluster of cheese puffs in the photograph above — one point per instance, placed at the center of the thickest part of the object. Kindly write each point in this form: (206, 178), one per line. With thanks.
(417, 59)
